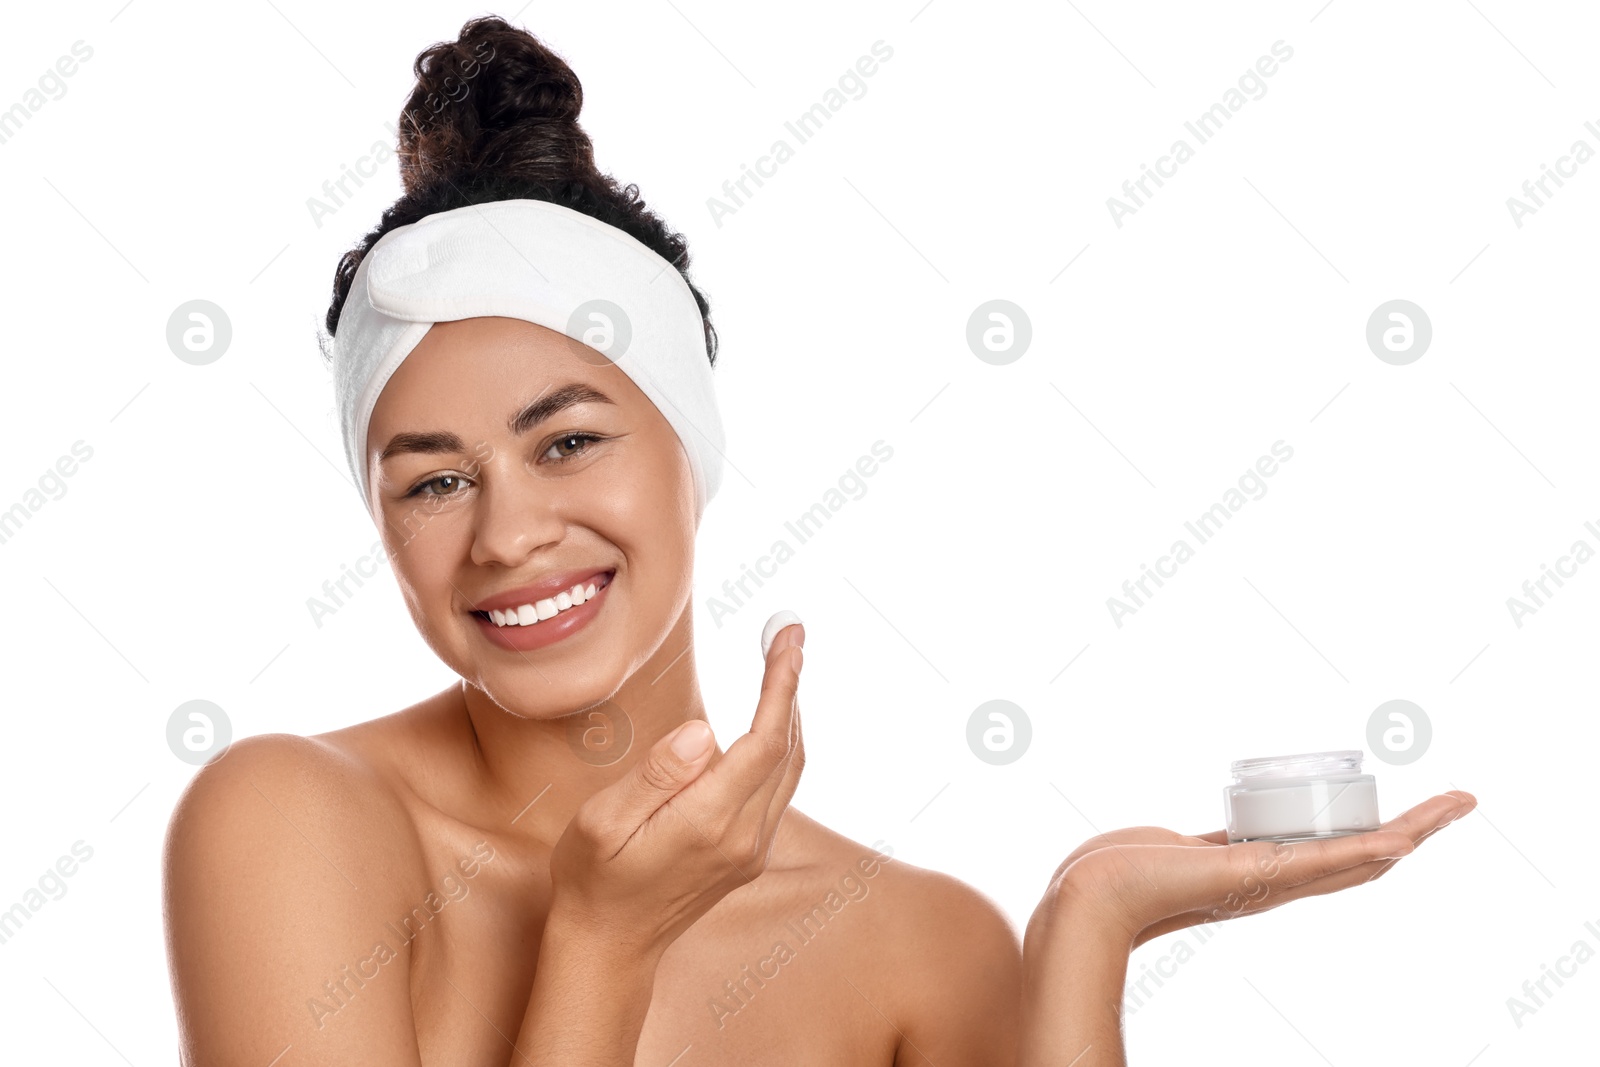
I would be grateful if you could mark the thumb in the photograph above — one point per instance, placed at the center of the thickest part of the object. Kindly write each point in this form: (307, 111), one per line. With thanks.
(672, 763)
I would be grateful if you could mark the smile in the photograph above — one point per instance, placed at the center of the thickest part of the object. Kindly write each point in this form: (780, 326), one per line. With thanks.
(539, 610)
(542, 621)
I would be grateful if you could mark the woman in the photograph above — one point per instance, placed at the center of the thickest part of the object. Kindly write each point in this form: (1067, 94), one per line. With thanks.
(553, 861)
(417, 889)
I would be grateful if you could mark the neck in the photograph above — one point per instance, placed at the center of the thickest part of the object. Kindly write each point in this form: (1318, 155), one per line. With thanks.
(538, 772)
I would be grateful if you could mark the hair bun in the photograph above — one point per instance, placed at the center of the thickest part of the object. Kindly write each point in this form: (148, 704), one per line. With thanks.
(493, 103)
(494, 116)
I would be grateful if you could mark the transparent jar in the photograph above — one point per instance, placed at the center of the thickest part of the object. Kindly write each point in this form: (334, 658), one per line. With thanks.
(1298, 798)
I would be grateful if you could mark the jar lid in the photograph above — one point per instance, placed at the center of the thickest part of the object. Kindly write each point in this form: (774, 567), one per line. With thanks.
(1303, 765)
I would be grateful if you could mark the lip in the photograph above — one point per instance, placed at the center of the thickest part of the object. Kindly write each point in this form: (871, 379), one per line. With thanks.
(559, 627)
(540, 590)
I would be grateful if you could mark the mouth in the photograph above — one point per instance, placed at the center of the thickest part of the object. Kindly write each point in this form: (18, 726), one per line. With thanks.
(546, 610)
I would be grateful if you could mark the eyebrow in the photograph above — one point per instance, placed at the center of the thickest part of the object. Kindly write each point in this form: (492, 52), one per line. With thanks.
(435, 442)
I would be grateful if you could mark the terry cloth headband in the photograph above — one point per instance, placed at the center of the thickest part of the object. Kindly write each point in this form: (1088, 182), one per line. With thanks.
(546, 264)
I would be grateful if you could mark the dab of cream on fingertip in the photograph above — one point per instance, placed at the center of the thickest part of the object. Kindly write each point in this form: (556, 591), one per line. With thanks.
(774, 624)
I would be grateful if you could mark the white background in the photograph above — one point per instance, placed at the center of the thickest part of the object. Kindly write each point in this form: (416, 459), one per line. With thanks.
(1228, 313)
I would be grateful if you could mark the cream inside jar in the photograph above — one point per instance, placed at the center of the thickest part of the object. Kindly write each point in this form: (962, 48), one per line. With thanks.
(1301, 797)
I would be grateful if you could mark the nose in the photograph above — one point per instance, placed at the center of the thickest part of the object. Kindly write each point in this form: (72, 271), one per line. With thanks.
(517, 513)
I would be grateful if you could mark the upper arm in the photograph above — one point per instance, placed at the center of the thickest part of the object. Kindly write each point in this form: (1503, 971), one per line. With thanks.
(968, 1007)
(279, 871)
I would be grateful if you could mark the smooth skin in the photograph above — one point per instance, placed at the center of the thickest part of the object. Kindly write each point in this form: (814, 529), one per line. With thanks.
(1118, 890)
(456, 883)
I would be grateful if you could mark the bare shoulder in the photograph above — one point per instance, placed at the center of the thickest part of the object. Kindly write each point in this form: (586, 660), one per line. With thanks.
(944, 957)
(287, 852)
(925, 900)
(940, 920)
(264, 783)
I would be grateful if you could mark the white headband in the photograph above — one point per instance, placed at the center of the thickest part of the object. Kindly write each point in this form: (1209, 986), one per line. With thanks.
(546, 264)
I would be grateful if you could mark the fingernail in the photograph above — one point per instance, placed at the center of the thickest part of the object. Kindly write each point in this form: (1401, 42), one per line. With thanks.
(774, 624)
(692, 740)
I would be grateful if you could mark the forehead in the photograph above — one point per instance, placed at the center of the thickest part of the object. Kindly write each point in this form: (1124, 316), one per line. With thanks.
(486, 366)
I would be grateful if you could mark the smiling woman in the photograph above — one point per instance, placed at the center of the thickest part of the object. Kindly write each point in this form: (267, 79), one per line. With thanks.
(524, 378)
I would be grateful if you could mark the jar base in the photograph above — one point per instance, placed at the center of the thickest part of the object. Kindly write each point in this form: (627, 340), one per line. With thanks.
(1291, 838)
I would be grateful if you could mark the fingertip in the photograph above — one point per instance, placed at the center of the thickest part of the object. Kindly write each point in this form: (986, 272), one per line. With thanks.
(775, 624)
(692, 740)
(1465, 802)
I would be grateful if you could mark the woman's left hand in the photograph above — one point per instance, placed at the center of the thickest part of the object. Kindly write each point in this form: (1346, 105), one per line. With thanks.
(1118, 890)
(1148, 881)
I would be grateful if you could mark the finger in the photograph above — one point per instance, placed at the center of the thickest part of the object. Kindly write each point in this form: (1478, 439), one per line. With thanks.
(672, 763)
(1287, 871)
(1243, 873)
(1260, 875)
(779, 622)
(1250, 902)
(1422, 820)
(1300, 863)
(782, 678)
(1372, 870)
(757, 758)
(1359, 874)
(787, 782)
(779, 788)
(775, 792)
(1444, 821)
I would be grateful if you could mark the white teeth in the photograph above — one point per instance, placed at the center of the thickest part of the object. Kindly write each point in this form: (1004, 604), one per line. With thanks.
(539, 610)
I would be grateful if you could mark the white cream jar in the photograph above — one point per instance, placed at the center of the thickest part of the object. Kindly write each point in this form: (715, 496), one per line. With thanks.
(1297, 798)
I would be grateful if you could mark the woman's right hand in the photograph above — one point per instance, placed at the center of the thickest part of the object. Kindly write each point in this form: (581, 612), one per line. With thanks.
(648, 855)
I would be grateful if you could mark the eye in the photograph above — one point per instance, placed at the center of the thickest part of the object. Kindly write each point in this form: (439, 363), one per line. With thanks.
(452, 483)
(583, 439)
(454, 480)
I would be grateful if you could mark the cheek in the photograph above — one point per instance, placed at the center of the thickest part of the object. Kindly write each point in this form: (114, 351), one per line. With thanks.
(646, 514)
(422, 562)
(652, 486)
(650, 516)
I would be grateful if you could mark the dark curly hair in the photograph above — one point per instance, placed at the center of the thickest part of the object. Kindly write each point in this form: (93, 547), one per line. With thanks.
(494, 116)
